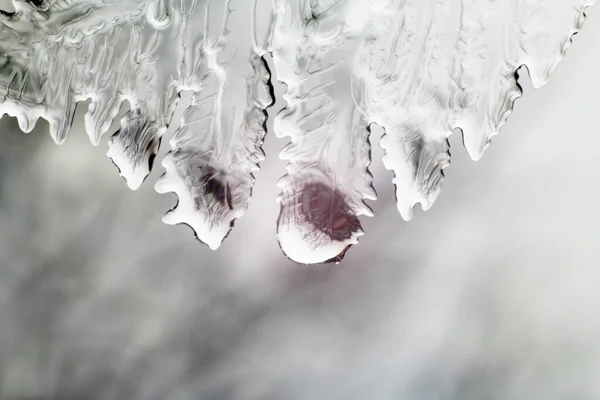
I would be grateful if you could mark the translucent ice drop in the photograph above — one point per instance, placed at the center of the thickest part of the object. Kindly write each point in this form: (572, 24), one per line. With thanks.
(327, 179)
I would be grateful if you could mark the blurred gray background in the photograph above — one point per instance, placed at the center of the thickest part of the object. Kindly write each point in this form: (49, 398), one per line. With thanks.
(492, 294)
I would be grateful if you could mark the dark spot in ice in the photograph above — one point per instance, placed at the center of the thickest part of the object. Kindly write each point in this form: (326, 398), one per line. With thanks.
(151, 160)
(323, 215)
(219, 190)
(418, 146)
(415, 152)
(152, 150)
(139, 138)
(208, 185)
(325, 209)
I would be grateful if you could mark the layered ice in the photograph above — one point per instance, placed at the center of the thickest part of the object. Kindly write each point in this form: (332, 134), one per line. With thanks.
(57, 53)
(420, 69)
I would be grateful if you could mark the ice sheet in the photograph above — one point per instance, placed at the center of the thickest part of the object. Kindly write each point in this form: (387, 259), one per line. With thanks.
(420, 69)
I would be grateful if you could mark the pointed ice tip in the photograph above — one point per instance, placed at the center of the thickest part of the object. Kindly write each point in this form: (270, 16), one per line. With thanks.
(406, 211)
(134, 175)
(24, 123)
(213, 244)
(211, 236)
(133, 185)
(95, 140)
(58, 139)
(161, 186)
(475, 155)
(56, 136)
(476, 146)
(92, 132)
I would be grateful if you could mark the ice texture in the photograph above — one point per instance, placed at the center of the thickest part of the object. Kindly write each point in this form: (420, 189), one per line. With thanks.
(57, 53)
(420, 69)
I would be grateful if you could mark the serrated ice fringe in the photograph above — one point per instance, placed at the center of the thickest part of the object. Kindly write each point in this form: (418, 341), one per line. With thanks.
(419, 69)
(217, 147)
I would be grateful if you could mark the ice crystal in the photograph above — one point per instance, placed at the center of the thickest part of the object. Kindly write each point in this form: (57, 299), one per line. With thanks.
(420, 69)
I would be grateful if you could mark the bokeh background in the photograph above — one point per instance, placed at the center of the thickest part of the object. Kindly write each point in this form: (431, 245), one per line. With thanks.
(492, 294)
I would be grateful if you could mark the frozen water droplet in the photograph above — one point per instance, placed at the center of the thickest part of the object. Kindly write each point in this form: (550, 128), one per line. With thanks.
(329, 152)
(316, 224)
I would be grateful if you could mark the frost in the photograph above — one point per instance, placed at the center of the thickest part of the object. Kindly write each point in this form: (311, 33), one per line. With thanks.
(420, 69)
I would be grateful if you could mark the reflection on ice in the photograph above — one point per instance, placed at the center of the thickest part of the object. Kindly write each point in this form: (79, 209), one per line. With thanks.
(419, 69)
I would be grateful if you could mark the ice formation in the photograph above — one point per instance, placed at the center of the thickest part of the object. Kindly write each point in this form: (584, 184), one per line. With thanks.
(420, 69)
